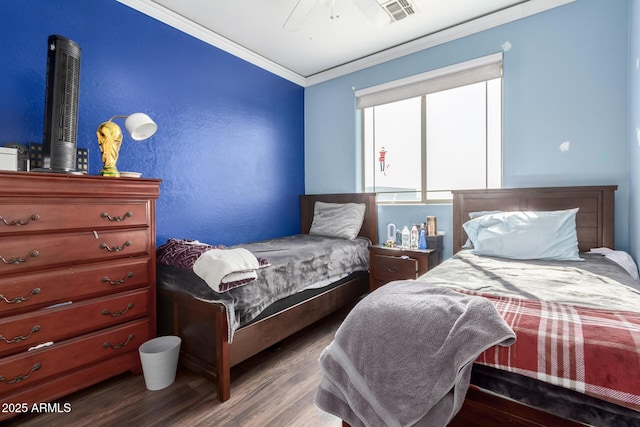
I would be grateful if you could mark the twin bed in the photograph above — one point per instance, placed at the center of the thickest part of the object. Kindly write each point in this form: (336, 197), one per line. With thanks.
(575, 359)
(220, 330)
(587, 348)
(576, 354)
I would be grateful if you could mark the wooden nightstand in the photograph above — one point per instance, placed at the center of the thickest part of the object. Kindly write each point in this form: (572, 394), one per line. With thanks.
(388, 264)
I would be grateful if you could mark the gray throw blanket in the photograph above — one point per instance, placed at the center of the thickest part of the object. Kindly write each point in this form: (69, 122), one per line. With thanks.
(404, 354)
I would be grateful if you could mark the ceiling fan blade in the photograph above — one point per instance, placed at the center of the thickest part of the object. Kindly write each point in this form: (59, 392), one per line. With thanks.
(372, 10)
(299, 14)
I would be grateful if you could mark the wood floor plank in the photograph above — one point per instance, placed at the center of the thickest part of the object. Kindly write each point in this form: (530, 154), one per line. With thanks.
(273, 388)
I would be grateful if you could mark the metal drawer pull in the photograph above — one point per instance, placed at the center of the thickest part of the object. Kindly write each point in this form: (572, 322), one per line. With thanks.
(115, 248)
(34, 217)
(117, 346)
(106, 312)
(128, 214)
(23, 376)
(36, 328)
(20, 260)
(129, 275)
(18, 300)
(393, 269)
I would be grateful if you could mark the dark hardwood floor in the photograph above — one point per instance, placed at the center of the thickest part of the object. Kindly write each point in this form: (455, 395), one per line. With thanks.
(274, 388)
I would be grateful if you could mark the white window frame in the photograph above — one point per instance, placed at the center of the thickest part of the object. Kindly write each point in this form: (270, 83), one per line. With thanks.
(473, 71)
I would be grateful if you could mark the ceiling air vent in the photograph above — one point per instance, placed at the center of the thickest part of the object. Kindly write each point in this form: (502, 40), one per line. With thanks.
(398, 9)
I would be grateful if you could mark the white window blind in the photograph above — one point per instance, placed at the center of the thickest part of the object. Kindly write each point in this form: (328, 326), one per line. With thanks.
(469, 72)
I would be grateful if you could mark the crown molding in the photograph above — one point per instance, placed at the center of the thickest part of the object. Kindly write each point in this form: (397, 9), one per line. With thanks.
(177, 21)
(513, 13)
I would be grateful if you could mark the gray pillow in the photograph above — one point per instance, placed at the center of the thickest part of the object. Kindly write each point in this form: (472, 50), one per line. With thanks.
(342, 220)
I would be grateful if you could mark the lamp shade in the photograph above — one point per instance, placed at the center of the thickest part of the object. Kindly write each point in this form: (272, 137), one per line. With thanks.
(140, 126)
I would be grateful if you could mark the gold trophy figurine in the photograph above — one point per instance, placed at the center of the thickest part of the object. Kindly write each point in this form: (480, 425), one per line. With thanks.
(109, 139)
(138, 125)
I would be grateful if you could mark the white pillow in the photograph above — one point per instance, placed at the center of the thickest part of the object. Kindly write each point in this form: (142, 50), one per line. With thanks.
(526, 235)
(474, 215)
(342, 220)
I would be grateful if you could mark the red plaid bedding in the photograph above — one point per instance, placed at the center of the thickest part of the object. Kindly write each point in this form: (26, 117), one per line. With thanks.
(593, 351)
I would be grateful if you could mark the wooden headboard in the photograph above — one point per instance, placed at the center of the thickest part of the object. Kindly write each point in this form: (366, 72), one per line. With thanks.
(594, 221)
(369, 226)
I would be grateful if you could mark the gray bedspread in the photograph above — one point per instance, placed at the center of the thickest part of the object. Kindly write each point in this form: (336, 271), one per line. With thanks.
(376, 373)
(595, 282)
(296, 263)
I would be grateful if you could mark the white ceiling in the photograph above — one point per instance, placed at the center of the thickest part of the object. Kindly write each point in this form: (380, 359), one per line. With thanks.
(322, 47)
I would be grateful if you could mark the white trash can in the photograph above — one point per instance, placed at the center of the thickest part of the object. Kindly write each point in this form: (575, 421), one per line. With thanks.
(159, 358)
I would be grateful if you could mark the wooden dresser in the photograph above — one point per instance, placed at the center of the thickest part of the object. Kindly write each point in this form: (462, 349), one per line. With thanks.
(77, 281)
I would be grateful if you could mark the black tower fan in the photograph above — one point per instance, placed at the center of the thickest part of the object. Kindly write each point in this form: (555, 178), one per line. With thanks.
(61, 106)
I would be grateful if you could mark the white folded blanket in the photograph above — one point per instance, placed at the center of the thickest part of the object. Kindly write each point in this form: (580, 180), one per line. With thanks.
(220, 266)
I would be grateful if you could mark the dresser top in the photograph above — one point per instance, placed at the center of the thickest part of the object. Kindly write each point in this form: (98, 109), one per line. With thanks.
(30, 184)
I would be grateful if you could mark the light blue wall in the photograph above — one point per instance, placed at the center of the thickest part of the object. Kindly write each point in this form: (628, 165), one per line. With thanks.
(565, 79)
(230, 140)
(634, 129)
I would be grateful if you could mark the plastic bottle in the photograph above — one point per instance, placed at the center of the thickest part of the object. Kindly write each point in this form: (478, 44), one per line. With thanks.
(406, 238)
(422, 244)
(414, 237)
(391, 233)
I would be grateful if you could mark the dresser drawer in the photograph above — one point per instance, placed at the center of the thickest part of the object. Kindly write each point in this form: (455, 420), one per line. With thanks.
(43, 215)
(61, 322)
(32, 367)
(22, 253)
(32, 290)
(389, 268)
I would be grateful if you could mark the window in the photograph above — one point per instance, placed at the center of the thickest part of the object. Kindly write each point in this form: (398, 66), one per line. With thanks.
(430, 134)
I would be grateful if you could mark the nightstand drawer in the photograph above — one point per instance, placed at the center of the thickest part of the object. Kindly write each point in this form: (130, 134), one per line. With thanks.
(389, 264)
(390, 268)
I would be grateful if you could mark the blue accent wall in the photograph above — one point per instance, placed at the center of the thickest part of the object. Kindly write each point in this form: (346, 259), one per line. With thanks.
(565, 79)
(634, 129)
(230, 140)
